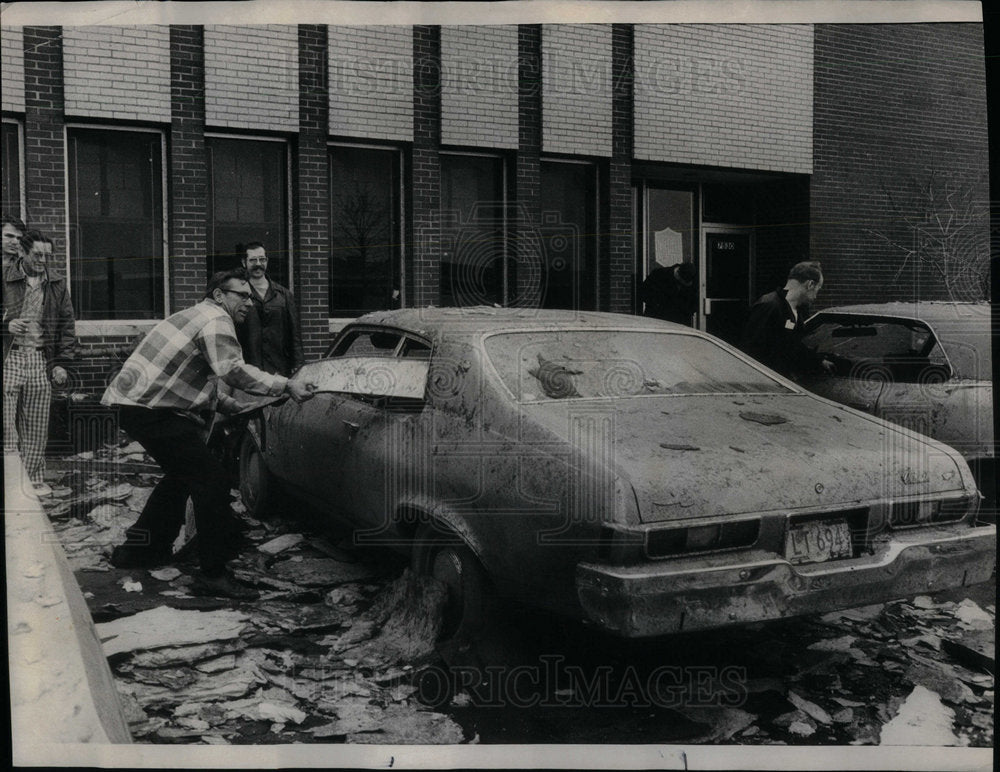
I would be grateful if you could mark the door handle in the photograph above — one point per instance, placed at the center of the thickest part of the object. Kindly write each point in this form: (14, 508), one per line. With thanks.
(352, 427)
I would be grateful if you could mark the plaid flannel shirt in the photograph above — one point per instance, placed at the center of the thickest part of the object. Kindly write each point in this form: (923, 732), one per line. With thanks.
(181, 360)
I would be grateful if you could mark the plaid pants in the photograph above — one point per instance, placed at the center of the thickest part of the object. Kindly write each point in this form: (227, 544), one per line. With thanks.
(27, 396)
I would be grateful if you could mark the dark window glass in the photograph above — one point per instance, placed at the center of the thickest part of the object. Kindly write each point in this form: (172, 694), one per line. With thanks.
(364, 230)
(670, 227)
(728, 203)
(472, 232)
(116, 224)
(11, 171)
(366, 343)
(248, 202)
(568, 232)
(728, 261)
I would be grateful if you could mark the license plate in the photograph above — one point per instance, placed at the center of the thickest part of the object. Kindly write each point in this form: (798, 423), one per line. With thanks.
(818, 541)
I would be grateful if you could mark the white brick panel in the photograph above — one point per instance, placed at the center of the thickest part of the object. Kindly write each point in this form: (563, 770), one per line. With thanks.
(725, 95)
(117, 72)
(252, 77)
(479, 86)
(576, 89)
(12, 54)
(371, 82)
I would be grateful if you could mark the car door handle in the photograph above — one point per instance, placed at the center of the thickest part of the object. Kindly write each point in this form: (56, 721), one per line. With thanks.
(351, 427)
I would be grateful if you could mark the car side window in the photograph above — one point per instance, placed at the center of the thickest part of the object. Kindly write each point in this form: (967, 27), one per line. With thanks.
(366, 343)
(415, 349)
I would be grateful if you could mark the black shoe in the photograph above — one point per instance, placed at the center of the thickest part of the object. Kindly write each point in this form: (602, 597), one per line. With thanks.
(222, 586)
(131, 556)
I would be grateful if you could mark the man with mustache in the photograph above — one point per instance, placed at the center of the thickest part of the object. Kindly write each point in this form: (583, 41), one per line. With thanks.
(270, 333)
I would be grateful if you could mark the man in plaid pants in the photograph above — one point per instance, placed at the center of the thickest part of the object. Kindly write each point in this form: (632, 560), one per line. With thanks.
(39, 336)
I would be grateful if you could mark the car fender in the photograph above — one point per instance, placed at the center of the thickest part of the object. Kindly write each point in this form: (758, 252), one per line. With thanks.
(417, 511)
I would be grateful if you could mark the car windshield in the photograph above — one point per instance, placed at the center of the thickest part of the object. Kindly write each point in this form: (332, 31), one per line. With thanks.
(548, 365)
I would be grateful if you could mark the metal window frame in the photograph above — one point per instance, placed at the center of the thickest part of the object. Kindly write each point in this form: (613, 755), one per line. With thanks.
(67, 128)
(289, 212)
(22, 199)
(332, 321)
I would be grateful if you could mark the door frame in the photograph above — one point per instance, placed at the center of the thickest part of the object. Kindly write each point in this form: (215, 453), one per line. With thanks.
(703, 231)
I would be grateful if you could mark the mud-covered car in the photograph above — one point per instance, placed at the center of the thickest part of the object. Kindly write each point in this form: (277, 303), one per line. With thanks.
(925, 365)
(642, 476)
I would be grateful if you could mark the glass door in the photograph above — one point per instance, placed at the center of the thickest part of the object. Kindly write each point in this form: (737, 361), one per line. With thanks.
(726, 280)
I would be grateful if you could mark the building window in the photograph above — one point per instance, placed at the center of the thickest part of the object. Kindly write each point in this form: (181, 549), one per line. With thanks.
(248, 202)
(473, 232)
(116, 223)
(365, 253)
(11, 170)
(569, 235)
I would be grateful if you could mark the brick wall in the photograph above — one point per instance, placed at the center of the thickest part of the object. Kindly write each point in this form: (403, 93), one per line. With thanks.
(479, 89)
(725, 95)
(44, 149)
(900, 136)
(12, 54)
(576, 84)
(527, 191)
(424, 231)
(251, 77)
(311, 186)
(619, 277)
(371, 82)
(187, 174)
(118, 72)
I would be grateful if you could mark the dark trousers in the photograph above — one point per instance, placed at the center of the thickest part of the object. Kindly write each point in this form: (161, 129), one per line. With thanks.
(190, 469)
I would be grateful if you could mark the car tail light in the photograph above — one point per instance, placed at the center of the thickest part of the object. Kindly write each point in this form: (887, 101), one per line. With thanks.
(913, 514)
(620, 546)
(669, 542)
(956, 509)
(910, 514)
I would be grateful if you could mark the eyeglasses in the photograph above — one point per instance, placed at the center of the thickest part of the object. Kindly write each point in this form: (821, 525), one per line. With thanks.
(245, 296)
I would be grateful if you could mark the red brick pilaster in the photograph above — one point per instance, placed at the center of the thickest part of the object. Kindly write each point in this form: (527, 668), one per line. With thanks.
(528, 253)
(188, 166)
(311, 191)
(618, 282)
(44, 153)
(426, 171)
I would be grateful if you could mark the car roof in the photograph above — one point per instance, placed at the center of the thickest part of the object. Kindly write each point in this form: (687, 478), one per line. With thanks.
(432, 321)
(934, 312)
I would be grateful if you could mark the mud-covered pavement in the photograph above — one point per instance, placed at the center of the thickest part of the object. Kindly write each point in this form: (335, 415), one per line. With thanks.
(340, 648)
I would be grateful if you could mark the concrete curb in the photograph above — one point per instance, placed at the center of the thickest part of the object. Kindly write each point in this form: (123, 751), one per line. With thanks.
(61, 688)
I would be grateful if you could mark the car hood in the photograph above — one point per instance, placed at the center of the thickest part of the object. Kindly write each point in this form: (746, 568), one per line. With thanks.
(706, 455)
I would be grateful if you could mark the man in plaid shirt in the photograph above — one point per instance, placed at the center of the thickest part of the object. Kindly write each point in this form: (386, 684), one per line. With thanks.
(165, 391)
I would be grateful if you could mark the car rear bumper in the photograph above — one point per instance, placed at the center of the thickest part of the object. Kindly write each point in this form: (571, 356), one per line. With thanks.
(673, 596)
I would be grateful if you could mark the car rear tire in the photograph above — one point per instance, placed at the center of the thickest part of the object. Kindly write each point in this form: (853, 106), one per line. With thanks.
(442, 555)
(259, 489)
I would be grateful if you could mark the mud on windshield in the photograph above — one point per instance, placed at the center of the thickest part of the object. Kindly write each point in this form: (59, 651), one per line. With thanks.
(590, 364)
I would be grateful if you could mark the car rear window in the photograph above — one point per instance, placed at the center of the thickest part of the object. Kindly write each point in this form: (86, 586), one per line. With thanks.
(538, 366)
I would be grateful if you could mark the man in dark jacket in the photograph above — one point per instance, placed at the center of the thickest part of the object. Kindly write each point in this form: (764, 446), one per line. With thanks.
(773, 332)
(270, 334)
(39, 337)
(669, 293)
